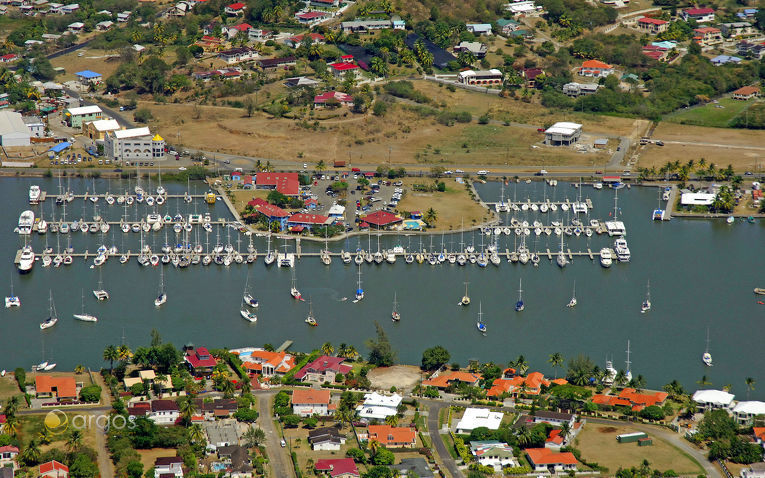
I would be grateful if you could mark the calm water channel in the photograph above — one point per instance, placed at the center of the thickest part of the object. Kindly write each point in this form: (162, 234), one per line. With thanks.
(701, 273)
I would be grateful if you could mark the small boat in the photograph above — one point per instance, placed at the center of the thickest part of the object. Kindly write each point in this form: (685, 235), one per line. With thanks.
(395, 316)
(149, 201)
(34, 194)
(162, 295)
(49, 367)
(83, 316)
(572, 302)
(248, 316)
(606, 258)
(247, 296)
(706, 357)
(26, 221)
(100, 293)
(480, 325)
(109, 199)
(52, 316)
(520, 306)
(646, 305)
(759, 291)
(294, 292)
(730, 220)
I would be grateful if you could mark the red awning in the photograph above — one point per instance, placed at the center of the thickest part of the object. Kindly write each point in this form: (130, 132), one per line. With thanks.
(297, 229)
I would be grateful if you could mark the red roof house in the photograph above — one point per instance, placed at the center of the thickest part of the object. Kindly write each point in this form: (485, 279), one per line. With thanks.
(393, 437)
(56, 387)
(309, 220)
(336, 97)
(652, 25)
(595, 68)
(54, 469)
(340, 69)
(699, 14)
(323, 369)
(200, 360)
(381, 219)
(295, 41)
(8, 58)
(235, 9)
(530, 75)
(269, 363)
(311, 17)
(447, 378)
(338, 467)
(544, 459)
(286, 183)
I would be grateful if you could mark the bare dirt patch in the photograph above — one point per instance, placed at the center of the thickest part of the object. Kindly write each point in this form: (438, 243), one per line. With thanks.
(100, 61)
(148, 457)
(606, 429)
(399, 376)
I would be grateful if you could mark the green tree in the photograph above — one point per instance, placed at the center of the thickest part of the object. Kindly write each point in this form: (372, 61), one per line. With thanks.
(379, 66)
(383, 456)
(31, 454)
(381, 352)
(556, 360)
(430, 217)
(327, 348)
(111, 354)
(435, 357)
(134, 469)
(74, 442)
(254, 436)
(750, 382)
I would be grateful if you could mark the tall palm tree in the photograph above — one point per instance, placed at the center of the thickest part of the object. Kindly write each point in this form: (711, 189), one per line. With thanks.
(391, 420)
(524, 436)
(620, 379)
(351, 353)
(74, 442)
(196, 434)
(749, 385)
(11, 406)
(321, 166)
(342, 350)
(187, 407)
(124, 353)
(374, 445)
(31, 454)
(565, 428)
(111, 354)
(556, 360)
(521, 365)
(327, 348)
(431, 216)
(379, 66)
(254, 436)
(228, 388)
(10, 427)
(45, 436)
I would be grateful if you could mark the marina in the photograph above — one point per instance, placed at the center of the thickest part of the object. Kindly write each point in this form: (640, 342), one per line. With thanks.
(203, 304)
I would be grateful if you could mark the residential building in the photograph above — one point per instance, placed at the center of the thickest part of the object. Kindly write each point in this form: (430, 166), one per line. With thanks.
(755, 470)
(104, 26)
(479, 417)
(301, 221)
(323, 369)
(326, 439)
(221, 432)
(217, 408)
(487, 78)
(494, 454)
(274, 63)
(237, 460)
(61, 388)
(237, 55)
(301, 82)
(272, 213)
(713, 399)
(151, 377)
(392, 437)
(363, 26)
(178, 10)
(75, 27)
(706, 36)
(258, 34)
(135, 144)
(526, 7)
(479, 28)
(745, 412)
(286, 183)
(168, 466)
(508, 26)
(342, 69)
(410, 467)
(13, 130)
(325, 3)
(235, 9)
(575, 90)
(295, 41)
(8, 454)
(656, 52)
(123, 17)
(337, 467)
(311, 18)
(545, 460)
(747, 13)
(477, 48)
(380, 220)
(9, 58)
(332, 98)
(737, 29)
(87, 77)
(200, 361)
(724, 60)
(555, 419)
(96, 130)
(701, 15)
(71, 8)
(164, 412)
(746, 92)
(751, 50)
(758, 434)
(530, 75)
(76, 116)
(309, 401)
(563, 134)
(629, 397)
(378, 407)
(447, 378)
(652, 26)
(697, 199)
(53, 469)
(595, 69)
(234, 30)
(264, 362)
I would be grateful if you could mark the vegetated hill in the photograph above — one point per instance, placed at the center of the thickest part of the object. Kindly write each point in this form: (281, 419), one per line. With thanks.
(480, 11)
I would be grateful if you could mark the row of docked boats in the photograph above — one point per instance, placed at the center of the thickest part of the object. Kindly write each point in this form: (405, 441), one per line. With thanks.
(526, 228)
(620, 252)
(578, 207)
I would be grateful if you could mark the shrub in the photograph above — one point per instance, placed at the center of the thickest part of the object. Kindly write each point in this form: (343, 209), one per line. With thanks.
(90, 394)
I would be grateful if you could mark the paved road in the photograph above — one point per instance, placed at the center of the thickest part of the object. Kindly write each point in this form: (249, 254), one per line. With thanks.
(443, 454)
(281, 463)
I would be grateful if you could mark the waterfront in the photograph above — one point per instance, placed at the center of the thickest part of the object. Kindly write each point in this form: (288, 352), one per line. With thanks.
(702, 274)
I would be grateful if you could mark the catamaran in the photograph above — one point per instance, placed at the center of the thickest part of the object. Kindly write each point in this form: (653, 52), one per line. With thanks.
(162, 295)
(359, 290)
(646, 305)
(12, 300)
(52, 316)
(83, 316)
(519, 306)
(480, 325)
(395, 316)
(101, 293)
(572, 302)
(34, 194)
(707, 357)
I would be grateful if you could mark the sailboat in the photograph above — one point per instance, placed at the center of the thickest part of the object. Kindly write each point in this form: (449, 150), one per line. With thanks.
(52, 316)
(248, 315)
(247, 296)
(310, 319)
(270, 256)
(519, 306)
(707, 357)
(465, 298)
(572, 302)
(628, 363)
(561, 259)
(646, 305)
(294, 292)
(480, 325)
(359, 290)
(12, 300)
(83, 316)
(395, 316)
(101, 293)
(44, 365)
(162, 295)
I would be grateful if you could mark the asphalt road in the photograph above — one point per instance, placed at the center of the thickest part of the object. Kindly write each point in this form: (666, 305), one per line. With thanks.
(278, 457)
(443, 454)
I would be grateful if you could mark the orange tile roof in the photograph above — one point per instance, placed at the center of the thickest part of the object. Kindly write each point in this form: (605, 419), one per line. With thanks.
(65, 386)
(259, 357)
(759, 432)
(644, 399)
(747, 90)
(443, 380)
(596, 64)
(499, 386)
(544, 456)
(386, 434)
(310, 396)
(559, 381)
(555, 437)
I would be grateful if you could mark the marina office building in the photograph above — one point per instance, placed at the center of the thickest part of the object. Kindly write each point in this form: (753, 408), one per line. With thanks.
(136, 144)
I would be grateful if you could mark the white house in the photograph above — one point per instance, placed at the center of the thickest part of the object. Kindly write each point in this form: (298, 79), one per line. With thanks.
(697, 199)
(237, 55)
(755, 470)
(308, 401)
(378, 407)
(563, 133)
(75, 27)
(164, 412)
(744, 412)
(479, 28)
(123, 17)
(554, 418)
(168, 465)
(71, 8)
(713, 399)
(494, 454)
(479, 417)
(545, 460)
(136, 144)
(326, 439)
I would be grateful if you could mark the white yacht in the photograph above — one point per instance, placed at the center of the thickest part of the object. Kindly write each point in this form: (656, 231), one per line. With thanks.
(606, 258)
(26, 221)
(34, 194)
(83, 316)
(622, 251)
(52, 316)
(27, 259)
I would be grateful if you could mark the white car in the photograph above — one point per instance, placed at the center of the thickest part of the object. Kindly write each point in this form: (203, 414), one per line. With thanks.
(482, 172)
(459, 171)
(181, 169)
(448, 172)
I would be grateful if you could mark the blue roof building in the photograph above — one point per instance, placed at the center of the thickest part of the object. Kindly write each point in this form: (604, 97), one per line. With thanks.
(725, 59)
(60, 147)
(87, 77)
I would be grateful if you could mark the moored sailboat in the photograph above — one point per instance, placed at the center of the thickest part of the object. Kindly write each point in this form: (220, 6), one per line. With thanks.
(83, 316)
(395, 315)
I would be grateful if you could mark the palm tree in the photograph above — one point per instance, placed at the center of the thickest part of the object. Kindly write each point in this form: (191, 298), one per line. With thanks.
(11, 406)
(10, 427)
(351, 353)
(431, 216)
(310, 466)
(521, 365)
(374, 445)
(620, 379)
(111, 354)
(379, 66)
(228, 388)
(124, 353)
(327, 348)
(45, 435)
(74, 442)
(187, 407)
(391, 420)
(196, 434)
(342, 350)
(466, 57)
(565, 428)
(749, 386)
(524, 436)
(556, 360)
(79, 369)
(31, 454)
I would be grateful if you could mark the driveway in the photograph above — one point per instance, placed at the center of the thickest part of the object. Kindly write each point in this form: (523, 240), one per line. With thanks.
(443, 454)
(278, 457)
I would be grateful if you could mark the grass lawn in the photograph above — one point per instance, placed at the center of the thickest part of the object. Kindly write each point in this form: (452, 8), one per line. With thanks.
(9, 388)
(450, 445)
(148, 457)
(453, 206)
(716, 115)
(598, 444)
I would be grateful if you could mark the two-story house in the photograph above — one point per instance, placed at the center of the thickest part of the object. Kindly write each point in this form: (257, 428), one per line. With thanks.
(323, 369)
(308, 401)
